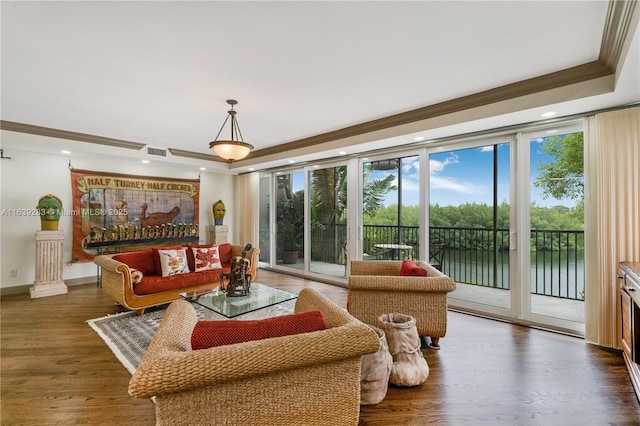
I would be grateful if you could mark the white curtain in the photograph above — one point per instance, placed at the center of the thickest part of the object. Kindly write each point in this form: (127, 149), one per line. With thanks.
(612, 216)
(247, 204)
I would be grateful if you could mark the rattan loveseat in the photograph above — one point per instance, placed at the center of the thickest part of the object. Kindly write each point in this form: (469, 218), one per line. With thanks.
(375, 288)
(117, 281)
(303, 379)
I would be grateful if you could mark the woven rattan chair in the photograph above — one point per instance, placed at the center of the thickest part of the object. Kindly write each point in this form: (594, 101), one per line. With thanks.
(304, 379)
(375, 288)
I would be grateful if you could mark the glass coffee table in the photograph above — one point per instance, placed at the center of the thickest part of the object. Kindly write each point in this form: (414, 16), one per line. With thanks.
(261, 296)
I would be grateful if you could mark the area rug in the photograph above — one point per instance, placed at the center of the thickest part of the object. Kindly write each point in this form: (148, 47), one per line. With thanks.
(128, 335)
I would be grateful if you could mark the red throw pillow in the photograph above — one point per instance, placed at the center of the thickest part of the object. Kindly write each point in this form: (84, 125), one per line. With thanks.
(140, 260)
(208, 334)
(190, 259)
(224, 250)
(156, 256)
(411, 269)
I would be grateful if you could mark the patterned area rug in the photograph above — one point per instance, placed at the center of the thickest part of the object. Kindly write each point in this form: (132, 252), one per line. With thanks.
(128, 335)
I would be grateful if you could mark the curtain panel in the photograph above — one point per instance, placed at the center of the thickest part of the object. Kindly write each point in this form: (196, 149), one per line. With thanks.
(612, 216)
(248, 207)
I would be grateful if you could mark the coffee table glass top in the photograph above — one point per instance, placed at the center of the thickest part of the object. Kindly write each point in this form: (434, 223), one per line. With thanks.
(261, 296)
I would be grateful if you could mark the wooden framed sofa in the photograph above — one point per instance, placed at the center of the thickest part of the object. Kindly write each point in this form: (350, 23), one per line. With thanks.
(311, 378)
(376, 288)
(117, 281)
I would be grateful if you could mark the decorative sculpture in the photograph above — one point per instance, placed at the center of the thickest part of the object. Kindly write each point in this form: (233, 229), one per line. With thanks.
(239, 277)
(50, 208)
(219, 211)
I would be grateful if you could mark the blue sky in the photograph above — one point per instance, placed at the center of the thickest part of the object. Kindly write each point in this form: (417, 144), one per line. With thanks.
(466, 176)
(462, 176)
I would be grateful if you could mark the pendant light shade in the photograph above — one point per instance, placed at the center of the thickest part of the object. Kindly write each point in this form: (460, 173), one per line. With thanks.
(234, 148)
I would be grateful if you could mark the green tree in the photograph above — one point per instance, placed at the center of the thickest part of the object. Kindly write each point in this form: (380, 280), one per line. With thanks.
(563, 177)
(374, 192)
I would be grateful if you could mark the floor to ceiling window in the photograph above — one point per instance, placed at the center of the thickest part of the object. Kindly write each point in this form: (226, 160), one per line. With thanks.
(469, 217)
(391, 210)
(553, 228)
(501, 215)
(327, 230)
(289, 220)
(505, 218)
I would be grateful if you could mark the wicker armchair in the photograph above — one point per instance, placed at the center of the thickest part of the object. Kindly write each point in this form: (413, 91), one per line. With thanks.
(375, 288)
(304, 379)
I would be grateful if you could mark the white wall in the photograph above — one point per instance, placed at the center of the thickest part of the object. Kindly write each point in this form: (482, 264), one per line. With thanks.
(30, 175)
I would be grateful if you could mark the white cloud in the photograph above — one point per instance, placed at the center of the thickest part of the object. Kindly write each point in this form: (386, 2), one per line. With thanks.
(438, 166)
(413, 165)
(451, 185)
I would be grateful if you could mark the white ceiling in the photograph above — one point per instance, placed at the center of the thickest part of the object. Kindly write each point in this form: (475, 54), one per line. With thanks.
(159, 73)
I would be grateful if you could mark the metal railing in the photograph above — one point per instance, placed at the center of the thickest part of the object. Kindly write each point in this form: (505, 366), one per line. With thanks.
(472, 255)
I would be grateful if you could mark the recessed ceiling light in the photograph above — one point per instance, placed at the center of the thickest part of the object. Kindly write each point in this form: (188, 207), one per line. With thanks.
(145, 161)
(418, 138)
(343, 153)
(64, 151)
(251, 169)
(203, 168)
(292, 161)
(549, 114)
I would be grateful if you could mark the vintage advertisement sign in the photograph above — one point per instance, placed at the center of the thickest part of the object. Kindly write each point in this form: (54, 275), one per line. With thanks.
(113, 207)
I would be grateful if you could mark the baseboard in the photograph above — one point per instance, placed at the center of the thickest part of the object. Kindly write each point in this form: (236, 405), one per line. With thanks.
(19, 289)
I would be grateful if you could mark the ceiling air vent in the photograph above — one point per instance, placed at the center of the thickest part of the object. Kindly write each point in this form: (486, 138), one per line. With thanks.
(157, 151)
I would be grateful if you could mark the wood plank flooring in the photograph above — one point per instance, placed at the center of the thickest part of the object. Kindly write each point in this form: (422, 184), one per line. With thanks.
(56, 370)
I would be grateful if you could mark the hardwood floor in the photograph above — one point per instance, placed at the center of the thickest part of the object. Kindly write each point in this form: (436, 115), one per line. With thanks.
(56, 370)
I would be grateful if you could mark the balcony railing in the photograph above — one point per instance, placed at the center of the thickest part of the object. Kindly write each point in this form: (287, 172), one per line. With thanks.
(474, 256)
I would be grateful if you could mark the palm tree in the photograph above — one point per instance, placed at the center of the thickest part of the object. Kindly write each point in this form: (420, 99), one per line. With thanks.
(374, 192)
(329, 201)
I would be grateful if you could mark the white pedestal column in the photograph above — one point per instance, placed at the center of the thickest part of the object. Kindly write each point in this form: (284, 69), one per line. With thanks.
(49, 265)
(219, 234)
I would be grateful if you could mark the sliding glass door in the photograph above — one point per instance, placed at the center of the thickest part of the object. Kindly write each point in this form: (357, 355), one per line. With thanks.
(469, 220)
(391, 210)
(327, 227)
(555, 221)
(289, 219)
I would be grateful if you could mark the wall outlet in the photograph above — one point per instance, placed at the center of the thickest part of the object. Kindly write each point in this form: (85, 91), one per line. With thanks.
(14, 273)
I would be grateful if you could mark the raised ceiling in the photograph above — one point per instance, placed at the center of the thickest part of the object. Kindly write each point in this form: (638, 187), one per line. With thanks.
(311, 78)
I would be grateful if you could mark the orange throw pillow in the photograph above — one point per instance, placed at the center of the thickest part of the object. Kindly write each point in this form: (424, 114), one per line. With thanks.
(411, 269)
(208, 334)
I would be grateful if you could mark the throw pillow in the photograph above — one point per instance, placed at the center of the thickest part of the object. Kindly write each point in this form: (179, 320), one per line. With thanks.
(143, 261)
(173, 262)
(156, 256)
(411, 269)
(190, 260)
(225, 252)
(206, 258)
(207, 334)
(136, 276)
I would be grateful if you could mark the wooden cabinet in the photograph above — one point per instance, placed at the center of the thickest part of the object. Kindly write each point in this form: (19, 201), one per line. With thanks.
(629, 292)
(629, 325)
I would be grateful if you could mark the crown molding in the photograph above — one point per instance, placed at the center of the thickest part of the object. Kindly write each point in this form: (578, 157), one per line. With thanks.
(622, 18)
(65, 134)
(578, 74)
(197, 155)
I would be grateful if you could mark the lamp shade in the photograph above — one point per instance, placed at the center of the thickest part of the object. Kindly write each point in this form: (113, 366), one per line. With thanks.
(234, 148)
(231, 150)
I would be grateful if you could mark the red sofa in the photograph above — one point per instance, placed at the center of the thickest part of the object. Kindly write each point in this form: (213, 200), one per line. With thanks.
(154, 289)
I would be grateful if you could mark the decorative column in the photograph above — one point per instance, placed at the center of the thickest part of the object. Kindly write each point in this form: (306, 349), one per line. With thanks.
(49, 265)
(219, 234)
